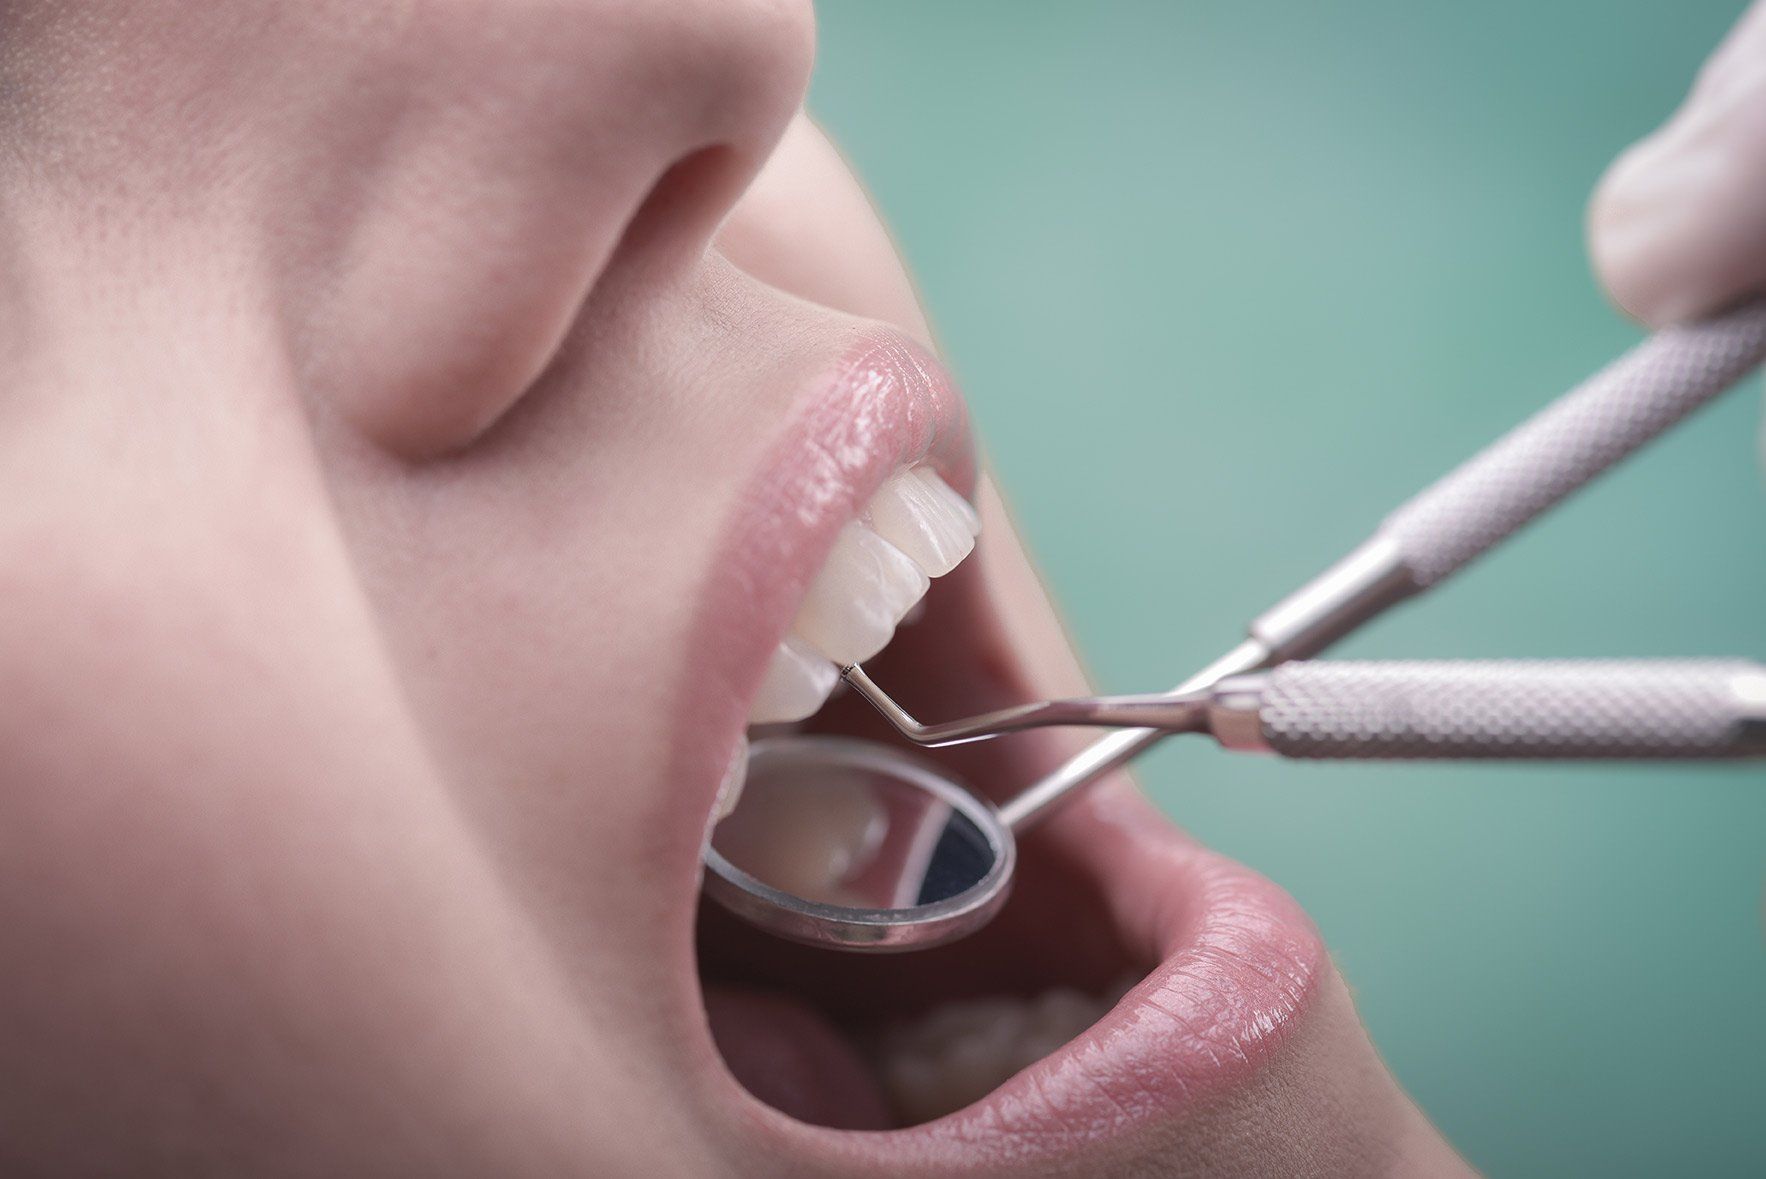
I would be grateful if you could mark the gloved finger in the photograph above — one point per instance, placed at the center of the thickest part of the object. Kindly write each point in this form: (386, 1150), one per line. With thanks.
(1677, 227)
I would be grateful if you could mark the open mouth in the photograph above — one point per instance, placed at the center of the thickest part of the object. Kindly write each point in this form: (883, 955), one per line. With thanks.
(1131, 974)
(883, 1042)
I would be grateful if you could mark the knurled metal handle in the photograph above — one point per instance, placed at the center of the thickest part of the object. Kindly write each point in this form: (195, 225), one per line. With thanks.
(1522, 474)
(1584, 432)
(1462, 515)
(1512, 709)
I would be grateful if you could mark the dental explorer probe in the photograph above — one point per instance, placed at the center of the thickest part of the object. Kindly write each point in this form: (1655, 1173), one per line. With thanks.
(1496, 709)
(1466, 513)
(908, 858)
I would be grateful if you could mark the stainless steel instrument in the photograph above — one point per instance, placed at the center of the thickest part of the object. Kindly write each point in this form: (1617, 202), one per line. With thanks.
(1256, 697)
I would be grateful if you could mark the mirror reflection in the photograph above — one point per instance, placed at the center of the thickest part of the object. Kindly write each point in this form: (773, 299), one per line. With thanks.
(856, 835)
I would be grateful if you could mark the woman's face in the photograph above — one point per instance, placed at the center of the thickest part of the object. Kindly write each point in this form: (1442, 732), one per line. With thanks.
(425, 423)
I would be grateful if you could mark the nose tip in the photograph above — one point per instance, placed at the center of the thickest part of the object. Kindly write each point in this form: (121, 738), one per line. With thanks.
(720, 82)
(756, 57)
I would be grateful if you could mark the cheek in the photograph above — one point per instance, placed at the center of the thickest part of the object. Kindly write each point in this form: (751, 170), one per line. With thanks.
(539, 593)
(807, 227)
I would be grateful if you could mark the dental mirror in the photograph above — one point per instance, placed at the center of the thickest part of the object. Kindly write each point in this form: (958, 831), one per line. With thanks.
(847, 844)
(840, 842)
(843, 843)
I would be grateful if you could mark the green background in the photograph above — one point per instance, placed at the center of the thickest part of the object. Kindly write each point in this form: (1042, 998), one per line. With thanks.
(1226, 281)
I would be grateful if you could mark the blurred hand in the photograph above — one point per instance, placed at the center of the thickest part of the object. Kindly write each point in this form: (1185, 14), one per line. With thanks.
(1677, 226)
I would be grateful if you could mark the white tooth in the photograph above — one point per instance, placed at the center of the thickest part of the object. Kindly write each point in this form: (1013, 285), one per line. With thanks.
(1036, 1045)
(858, 597)
(973, 1068)
(946, 1058)
(729, 791)
(797, 682)
(915, 1085)
(805, 832)
(919, 514)
(1066, 1012)
(960, 506)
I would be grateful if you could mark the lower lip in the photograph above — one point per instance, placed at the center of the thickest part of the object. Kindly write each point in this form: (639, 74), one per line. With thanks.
(1238, 967)
(1238, 963)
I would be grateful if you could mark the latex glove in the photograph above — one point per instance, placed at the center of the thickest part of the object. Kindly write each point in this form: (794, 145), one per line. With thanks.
(1677, 227)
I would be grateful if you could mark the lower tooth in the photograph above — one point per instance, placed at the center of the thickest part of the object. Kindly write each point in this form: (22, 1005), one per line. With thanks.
(957, 1053)
(975, 1066)
(807, 834)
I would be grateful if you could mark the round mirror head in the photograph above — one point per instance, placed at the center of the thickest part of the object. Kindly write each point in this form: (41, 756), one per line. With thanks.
(839, 842)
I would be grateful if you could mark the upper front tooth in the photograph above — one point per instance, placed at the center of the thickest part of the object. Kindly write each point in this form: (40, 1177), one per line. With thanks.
(729, 790)
(797, 681)
(858, 597)
(809, 831)
(921, 515)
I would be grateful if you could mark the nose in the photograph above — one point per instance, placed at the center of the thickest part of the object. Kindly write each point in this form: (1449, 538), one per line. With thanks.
(712, 86)
(501, 157)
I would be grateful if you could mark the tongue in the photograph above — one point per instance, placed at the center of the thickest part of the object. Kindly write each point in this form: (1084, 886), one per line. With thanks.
(792, 1058)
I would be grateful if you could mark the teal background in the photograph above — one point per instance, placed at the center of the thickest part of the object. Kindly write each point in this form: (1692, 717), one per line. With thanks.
(1224, 283)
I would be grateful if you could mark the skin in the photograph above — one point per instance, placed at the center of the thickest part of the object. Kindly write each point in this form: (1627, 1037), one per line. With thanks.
(1675, 229)
(349, 350)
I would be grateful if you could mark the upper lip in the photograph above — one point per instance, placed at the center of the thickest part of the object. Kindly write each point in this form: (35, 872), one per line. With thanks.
(1238, 961)
(885, 403)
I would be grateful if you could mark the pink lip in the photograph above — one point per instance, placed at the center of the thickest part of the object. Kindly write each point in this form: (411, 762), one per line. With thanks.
(1238, 964)
(885, 404)
(881, 404)
(1238, 960)
(1239, 967)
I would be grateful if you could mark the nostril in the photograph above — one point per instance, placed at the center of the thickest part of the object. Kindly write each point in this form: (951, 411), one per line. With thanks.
(725, 79)
(682, 210)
